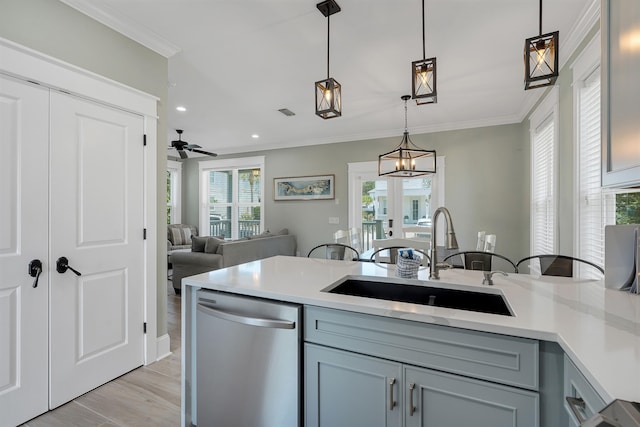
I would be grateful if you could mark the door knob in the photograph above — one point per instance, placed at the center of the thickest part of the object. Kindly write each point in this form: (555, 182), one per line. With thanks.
(35, 268)
(62, 265)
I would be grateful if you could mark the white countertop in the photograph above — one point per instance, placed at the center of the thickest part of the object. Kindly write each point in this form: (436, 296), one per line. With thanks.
(598, 328)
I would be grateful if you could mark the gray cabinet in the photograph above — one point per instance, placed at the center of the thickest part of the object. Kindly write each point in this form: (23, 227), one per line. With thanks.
(620, 88)
(439, 399)
(349, 389)
(583, 401)
(363, 370)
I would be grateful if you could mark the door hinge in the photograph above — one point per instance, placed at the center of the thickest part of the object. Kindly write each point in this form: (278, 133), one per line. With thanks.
(144, 139)
(144, 234)
(144, 327)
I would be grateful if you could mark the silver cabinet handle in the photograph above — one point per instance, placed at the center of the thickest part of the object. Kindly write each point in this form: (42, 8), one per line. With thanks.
(392, 402)
(246, 320)
(577, 405)
(411, 407)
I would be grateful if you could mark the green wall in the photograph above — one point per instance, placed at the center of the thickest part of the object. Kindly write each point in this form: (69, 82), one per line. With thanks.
(487, 180)
(53, 28)
(486, 185)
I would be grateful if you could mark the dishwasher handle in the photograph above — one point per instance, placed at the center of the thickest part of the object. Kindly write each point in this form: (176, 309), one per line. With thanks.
(246, 320)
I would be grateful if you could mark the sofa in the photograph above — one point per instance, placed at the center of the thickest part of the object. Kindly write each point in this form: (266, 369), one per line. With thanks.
(212, 253)
(179, 238)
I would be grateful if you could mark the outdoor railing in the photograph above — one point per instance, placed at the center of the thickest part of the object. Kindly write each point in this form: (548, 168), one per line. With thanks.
(222, 227)
(371, 230)
(249, 227)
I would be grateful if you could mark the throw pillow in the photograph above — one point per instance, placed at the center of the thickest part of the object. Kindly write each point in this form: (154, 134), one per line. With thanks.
(211, 247)
(180, 234)
(198, 243)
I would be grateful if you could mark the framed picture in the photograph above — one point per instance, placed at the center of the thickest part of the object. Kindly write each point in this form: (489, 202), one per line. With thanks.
(319, 187)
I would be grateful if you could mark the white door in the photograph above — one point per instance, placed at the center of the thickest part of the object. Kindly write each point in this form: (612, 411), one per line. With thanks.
(382, 206)
(96, 217)
(24, 142)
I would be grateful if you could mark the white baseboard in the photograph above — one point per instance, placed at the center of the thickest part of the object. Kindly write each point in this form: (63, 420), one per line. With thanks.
(163, 346)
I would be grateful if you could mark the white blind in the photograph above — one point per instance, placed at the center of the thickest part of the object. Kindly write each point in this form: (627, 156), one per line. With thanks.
(592, 215)
(543, 210)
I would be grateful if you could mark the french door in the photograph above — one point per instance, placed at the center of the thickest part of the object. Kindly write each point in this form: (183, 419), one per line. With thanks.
(381, 206)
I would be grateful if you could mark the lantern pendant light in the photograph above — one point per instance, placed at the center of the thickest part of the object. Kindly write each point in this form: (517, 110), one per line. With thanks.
(541, 58)
(328, 91)
(423, 75)
(407, 160)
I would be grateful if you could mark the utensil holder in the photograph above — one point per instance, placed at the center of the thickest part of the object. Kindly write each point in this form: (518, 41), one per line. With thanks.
(407, 268)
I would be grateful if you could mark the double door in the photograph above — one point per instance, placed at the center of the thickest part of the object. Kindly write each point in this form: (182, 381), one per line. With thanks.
(382, 206)
(71, 191)
(350, 389)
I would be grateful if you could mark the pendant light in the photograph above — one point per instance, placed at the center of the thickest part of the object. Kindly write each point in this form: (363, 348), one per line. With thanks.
(407, 160)
(328, 91)
(541, 58)
(423, 75)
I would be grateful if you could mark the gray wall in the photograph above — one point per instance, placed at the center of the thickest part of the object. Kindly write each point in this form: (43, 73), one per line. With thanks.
(487, 180)
(55, 29)
(486, 185)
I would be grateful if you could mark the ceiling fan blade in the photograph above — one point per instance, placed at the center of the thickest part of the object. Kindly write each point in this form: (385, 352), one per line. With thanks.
(183, 155)
(204, 152)
(191, 146)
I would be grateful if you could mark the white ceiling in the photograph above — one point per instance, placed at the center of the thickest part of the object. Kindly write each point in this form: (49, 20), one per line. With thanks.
(234, 63)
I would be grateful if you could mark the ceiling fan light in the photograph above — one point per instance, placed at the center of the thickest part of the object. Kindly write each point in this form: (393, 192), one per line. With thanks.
(328, 98)
(423, 82)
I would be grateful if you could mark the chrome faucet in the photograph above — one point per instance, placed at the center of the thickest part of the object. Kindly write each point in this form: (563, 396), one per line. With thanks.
(488, 276)
(451, 242)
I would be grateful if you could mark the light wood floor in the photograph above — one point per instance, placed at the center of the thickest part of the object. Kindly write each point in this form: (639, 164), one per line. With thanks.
(147, 396)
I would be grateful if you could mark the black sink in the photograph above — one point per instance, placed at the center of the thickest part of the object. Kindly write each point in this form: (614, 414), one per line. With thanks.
(425, 295)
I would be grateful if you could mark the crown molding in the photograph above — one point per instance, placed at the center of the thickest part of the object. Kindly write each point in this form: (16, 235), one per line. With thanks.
(589, 18)
(391, 133)
(125, 26)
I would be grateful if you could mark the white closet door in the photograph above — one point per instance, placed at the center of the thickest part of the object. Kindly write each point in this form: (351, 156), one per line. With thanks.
(96, 328)
(24, 142)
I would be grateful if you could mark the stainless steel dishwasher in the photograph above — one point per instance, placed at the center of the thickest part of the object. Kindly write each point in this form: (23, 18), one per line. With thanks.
(248, 361)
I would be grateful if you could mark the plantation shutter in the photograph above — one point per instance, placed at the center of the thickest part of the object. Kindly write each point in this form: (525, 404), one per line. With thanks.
(592, 215)
(543, 209)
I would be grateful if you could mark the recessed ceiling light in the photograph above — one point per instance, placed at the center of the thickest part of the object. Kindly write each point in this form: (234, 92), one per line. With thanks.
(181, 108)
(255, 136)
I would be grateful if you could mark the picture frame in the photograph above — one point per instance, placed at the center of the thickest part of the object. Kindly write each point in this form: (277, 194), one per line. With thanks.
(315, 187)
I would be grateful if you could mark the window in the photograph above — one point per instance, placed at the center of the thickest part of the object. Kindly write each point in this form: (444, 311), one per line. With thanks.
(591, 215)
(174, 186)
(231, 197)
(544, 135)
(597, 207)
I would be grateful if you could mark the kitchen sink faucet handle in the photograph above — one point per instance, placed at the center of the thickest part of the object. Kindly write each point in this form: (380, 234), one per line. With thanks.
(488, 276)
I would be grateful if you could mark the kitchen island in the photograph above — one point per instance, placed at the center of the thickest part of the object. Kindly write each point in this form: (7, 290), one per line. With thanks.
(598, 329)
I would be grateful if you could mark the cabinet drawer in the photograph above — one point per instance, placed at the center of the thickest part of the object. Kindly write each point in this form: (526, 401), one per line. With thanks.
(577, 386)
(499, 358)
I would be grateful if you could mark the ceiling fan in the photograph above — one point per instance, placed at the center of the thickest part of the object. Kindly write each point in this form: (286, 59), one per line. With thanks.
(181, 145)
